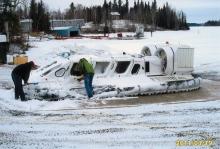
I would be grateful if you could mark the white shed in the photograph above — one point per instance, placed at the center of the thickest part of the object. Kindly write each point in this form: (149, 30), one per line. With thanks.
(3, 38)
(26, 25)
(3, 49)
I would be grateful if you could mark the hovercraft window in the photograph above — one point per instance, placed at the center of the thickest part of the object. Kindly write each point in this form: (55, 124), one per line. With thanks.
(60, 72)
(135, 69)
(101, 67)
(122, 66)
(147, 67)
(75, 70)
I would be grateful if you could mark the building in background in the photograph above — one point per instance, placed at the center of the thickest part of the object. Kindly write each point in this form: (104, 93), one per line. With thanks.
(68, 31)
(26, 25)
(115, 15)
(67, 28)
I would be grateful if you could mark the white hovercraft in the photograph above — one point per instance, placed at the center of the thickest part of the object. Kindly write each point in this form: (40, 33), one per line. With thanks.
(158, 69)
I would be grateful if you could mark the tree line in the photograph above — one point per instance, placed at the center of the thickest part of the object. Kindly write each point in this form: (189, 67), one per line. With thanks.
(146, 13)
(142, 12)
(212, 23)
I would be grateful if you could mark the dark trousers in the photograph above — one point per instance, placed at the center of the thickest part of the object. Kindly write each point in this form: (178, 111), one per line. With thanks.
(18, 87)
(88, 84)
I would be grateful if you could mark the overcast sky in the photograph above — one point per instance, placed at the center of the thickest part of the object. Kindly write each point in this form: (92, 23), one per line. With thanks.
(196, 10)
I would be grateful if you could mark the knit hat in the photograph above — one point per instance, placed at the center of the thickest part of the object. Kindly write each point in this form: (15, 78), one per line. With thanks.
(33, 65)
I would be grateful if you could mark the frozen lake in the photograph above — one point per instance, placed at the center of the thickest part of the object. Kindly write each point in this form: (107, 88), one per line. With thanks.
(154, 122)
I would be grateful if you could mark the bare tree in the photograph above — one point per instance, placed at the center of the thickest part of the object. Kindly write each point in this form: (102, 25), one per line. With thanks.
(19, 2)
(12, 4)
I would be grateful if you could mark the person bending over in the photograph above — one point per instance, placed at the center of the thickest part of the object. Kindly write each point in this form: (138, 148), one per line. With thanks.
(19, 73)
(87, 72)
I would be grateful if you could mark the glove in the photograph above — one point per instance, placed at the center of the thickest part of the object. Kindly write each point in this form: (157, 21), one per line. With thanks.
(80, 79)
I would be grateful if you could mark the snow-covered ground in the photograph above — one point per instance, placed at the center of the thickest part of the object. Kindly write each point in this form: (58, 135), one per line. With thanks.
(145, 122)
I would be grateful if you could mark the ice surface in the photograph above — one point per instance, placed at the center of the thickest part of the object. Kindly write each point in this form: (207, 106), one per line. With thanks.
(101, 124)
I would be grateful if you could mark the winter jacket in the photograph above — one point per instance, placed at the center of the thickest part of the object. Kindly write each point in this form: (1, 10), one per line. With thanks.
(85, 67)
(23, 71)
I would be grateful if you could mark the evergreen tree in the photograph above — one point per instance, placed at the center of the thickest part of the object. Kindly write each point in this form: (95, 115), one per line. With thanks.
(71, 12)
(110, 7)
(106, 12)
(33, 15)
(98, 14)
(39, 16)
(127, 7)
(153, 13)
(88, 15)
(120, 10)
(8, 14)
(115, 6)
(135, 7)
(141, 12)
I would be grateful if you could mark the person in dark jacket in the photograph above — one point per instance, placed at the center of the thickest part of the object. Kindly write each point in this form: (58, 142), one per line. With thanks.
(19, 73)
(88, 72)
